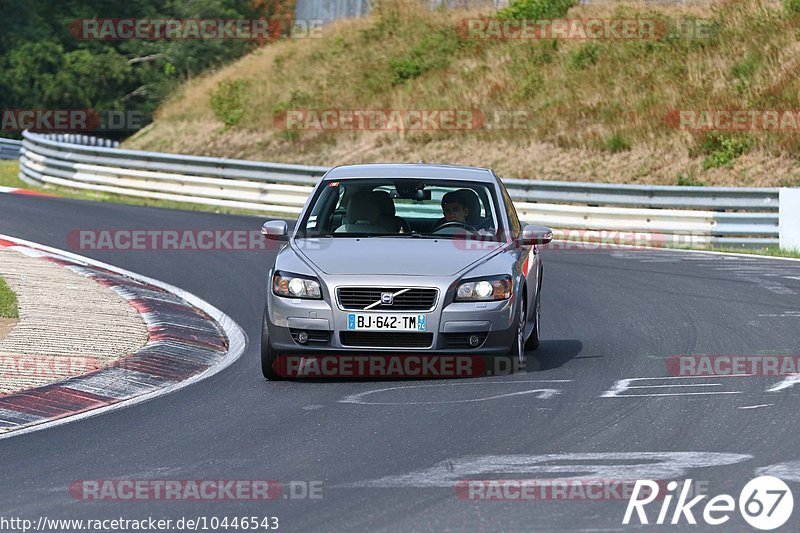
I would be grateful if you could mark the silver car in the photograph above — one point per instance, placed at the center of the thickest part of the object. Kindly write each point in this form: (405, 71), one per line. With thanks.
(391, 258)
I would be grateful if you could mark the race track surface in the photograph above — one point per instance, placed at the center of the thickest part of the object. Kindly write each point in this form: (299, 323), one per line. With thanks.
(390, 460)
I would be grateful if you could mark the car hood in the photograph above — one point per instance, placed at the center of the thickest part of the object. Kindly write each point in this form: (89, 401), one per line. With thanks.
(394, 256)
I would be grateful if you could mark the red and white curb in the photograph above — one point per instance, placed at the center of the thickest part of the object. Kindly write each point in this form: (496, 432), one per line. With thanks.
(27, 192)
(188, 340)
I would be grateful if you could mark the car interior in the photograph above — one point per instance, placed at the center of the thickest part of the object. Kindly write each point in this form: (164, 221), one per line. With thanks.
(399, 208)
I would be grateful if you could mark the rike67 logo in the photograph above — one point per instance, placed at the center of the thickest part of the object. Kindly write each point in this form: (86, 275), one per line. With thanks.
(765, 503)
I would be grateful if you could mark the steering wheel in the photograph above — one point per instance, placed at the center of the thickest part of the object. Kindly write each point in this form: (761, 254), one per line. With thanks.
(455, 224)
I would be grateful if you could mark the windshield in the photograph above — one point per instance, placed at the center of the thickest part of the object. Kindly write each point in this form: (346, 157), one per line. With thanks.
(402, 207)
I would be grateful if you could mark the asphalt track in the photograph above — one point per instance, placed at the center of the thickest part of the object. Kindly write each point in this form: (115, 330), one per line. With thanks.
(388, 460)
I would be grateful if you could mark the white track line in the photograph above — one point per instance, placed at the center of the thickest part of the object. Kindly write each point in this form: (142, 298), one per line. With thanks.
(756, 406)
(623, 247)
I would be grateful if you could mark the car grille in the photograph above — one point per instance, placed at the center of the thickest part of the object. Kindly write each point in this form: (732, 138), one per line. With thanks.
(414, 299)
(380, 339)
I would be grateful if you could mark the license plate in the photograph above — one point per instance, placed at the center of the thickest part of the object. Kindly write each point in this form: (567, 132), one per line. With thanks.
(376, 322)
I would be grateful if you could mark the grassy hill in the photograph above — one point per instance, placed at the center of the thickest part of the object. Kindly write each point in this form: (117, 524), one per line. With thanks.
(592, 110)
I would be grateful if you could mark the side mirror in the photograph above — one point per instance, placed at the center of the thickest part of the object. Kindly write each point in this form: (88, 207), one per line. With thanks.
(532, 234)
(276, 230)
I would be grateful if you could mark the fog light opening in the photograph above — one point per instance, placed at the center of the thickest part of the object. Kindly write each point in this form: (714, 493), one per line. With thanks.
(302, 337)
(474, 341)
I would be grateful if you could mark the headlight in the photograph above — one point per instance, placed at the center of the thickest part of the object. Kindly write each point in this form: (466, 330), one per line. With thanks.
(295, 286)
(483, 290)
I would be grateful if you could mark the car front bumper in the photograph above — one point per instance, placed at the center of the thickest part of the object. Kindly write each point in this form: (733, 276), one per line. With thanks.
(448, 325)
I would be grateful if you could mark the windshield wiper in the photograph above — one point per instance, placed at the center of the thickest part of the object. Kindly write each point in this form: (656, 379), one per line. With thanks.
(378, 235)
(406, 235)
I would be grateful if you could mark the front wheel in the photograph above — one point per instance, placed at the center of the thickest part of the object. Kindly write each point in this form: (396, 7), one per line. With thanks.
(268, 355)
(533, 341)
(519, 346)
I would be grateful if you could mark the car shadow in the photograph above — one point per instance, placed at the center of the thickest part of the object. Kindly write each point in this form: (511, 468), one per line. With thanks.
(553, 354)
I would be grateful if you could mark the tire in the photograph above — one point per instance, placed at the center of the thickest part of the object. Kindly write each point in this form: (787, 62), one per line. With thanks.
(268, 355)
(518, 346)
(533, 341)
(515, 351)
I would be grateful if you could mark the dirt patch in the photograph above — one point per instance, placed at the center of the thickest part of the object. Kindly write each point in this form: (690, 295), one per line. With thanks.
(6, 325)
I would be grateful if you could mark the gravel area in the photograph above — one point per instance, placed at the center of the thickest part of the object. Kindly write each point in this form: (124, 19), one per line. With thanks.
(68, 324)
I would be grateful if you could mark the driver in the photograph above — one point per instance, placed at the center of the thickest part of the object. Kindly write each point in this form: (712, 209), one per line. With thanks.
(455, 206)
(462, 207)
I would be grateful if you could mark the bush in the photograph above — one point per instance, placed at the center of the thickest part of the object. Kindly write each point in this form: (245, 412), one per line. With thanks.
(584, 56)
(745, 70)
(747, 67)
(227, 101)
(537, 9)
(722, 151)
(433, 51)
(792, 6)
(617, 143)
(688, 181)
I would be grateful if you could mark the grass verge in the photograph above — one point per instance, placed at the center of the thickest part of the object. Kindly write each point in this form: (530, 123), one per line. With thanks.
(8, 175)
(8, 301)
(603, 110)
(772, 251)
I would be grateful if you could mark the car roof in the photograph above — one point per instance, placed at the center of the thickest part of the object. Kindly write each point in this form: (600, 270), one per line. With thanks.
(412, 170)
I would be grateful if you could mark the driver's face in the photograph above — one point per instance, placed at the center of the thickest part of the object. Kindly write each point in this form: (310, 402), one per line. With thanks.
(455, 212)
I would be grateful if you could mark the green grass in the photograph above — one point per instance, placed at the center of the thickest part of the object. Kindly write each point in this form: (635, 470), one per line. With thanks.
(772, 251)
(536, 9)
(8, 302)
(8, 175)
(617, 143)
(689, 180)
(10, 169)
(769, 251)
(722, 151)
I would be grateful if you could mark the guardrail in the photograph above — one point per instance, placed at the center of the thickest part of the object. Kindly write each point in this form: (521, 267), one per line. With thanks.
(695, 216)
(9, 148)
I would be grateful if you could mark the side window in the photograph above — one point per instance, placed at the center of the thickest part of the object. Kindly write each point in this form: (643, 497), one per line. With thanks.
(323, 218)
(513, 219)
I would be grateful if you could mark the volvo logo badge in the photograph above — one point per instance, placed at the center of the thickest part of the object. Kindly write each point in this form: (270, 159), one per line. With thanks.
(387, 298)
